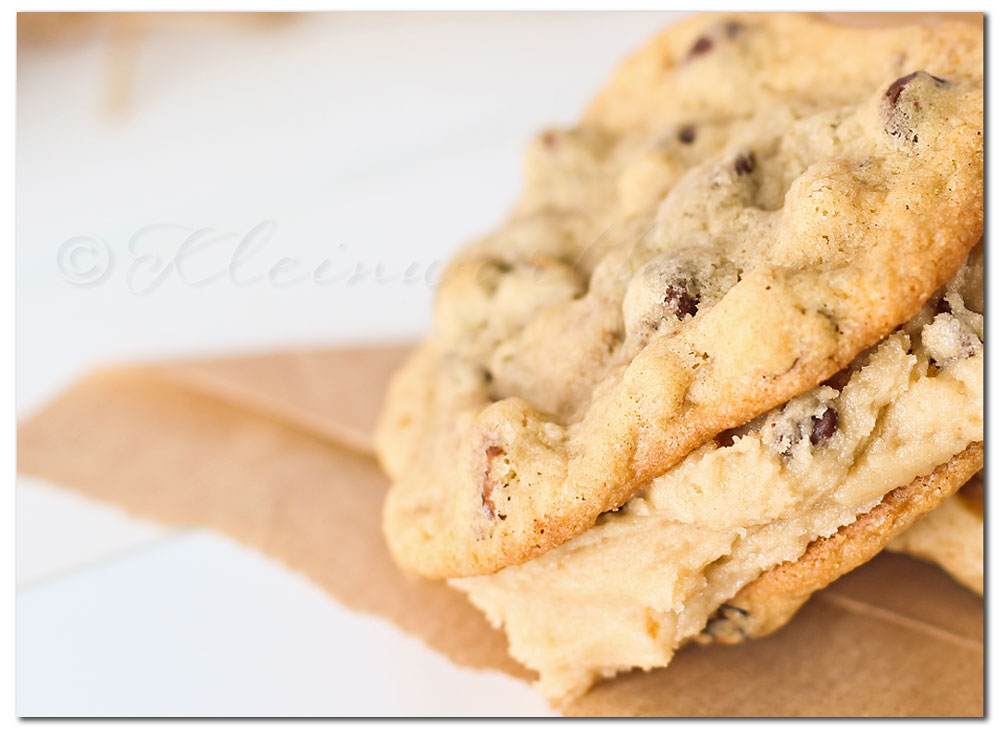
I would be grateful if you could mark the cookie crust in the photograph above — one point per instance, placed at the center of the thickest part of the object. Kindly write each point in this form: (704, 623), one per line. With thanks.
(951, 536)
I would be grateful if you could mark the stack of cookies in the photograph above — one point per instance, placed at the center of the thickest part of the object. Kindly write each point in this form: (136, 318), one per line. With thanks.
(727, 347)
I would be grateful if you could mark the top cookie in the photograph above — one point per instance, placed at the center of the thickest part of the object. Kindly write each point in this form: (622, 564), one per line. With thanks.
(678, 268)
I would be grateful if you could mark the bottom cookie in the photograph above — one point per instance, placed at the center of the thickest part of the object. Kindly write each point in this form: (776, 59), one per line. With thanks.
(951, 536)
(768, 602)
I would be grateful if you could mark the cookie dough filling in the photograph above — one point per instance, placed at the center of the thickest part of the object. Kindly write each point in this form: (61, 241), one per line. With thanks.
(648, 577)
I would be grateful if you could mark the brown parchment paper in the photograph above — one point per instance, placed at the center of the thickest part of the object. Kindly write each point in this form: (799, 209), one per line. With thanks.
(275, 451)
(297, 387)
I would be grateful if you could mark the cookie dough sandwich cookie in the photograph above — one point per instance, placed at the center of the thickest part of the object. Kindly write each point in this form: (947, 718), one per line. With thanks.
(620, 416)
(731, 541)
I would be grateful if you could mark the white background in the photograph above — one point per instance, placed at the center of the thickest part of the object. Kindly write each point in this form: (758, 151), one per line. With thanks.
(356, 139)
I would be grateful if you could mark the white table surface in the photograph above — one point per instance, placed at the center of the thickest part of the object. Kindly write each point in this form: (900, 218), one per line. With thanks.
(358, 139)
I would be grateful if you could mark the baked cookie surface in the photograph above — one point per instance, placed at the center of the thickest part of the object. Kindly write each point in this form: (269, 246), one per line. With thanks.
(673, 271)
(731, 541)
(719, 66)
(951, 536)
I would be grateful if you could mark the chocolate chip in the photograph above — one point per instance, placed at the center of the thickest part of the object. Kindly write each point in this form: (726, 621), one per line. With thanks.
(719, 31)
(679, 301)
(897, 120)
(745, 164)
(487, 484)
(824, 426)
(788, 431)
(701, 46)
(686, 134)
(896, 87)
(728, 624)
(727, 610)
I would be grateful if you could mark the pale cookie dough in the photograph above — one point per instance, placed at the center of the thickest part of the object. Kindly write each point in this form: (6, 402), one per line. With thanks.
(657, 285)
(951, 536)
(772, 599)
(888, 440)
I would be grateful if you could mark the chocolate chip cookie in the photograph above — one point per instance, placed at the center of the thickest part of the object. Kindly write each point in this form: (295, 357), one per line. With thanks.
(750, 203)
(728, 543)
